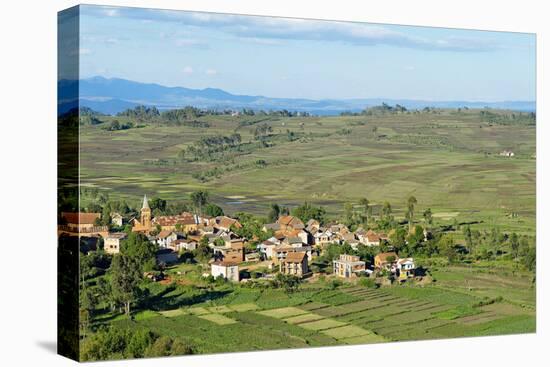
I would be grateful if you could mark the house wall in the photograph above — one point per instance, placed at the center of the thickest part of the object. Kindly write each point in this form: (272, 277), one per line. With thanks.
(111, 246)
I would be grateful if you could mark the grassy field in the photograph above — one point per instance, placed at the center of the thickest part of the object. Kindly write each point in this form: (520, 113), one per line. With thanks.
(223, 318)
(449, 161)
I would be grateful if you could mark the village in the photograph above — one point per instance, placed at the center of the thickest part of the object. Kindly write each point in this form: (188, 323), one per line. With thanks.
(291, 248)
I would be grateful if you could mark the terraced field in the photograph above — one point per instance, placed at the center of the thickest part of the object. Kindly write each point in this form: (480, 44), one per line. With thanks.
(440, 158)
(320, 316)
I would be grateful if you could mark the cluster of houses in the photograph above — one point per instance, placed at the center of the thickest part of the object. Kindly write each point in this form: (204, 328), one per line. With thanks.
(290, 249)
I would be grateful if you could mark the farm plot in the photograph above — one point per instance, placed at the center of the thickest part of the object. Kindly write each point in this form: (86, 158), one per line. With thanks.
(172, 313)
(197, 311)
(479, 318)
(244, 307)
(218, 319)
(347, 331)
(364, 339)
(310, 306)
(281, 313)
(219, 309)
(308, 317)
(322, 324)
(334, 298)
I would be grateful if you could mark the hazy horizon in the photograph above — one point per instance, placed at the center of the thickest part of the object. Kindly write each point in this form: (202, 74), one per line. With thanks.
(267, 96)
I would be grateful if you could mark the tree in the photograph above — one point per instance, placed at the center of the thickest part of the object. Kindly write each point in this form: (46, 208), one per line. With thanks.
(125, 278)
(530, 259)
(213, 210)
(411, 201)
(203, 252)
(428, 218)
(105, 292)
(387, 211)
(157, 203)
(348, 213)
(289, 282)
(514, 245)
(274, 213)
(364, 202)
(139, 341)
(106, 216)
(447, 247)
(468, 238)
(306, 212)
(138, 247)
(199, 199)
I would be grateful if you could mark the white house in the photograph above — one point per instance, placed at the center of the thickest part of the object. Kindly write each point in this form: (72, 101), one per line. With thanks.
(165, 238)
(406, 267)
(180, 245)
(325, 237)
(116, 219)
(225, 269)
(266, 248)
(112, 242)
(293, 242)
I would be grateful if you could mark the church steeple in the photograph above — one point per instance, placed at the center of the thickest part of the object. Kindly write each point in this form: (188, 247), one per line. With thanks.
(145, 218)
(145, 202)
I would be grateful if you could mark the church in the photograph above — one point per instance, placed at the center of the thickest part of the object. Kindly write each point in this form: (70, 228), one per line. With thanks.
(143, 225)
(185, 222)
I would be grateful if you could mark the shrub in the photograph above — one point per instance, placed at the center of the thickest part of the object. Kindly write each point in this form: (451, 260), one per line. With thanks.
(368, 283)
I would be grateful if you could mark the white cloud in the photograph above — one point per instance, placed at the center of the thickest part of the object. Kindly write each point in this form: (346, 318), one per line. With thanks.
(257, 28)
(110, 12)
(211, 72)
(189, 42)
(188, 70)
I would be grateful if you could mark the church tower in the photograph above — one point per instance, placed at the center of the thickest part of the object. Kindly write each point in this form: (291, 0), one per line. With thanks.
(145, 219)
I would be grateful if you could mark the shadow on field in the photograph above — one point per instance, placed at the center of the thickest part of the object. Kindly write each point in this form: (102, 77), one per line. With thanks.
(160, 302)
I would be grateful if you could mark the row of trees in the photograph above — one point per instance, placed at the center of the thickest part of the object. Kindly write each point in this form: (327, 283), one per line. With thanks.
(117, 343)
(152, 114)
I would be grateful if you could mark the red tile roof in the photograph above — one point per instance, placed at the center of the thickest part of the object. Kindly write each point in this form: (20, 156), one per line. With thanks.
(80, 218)
(295, 257)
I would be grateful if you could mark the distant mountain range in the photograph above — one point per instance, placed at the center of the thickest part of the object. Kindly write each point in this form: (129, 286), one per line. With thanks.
(111, 96)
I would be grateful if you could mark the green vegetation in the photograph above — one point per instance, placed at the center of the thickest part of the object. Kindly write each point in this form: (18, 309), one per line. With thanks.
(432, 180)
(323, 167)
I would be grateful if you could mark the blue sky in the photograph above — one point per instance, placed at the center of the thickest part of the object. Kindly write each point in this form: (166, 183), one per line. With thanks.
(280, 57)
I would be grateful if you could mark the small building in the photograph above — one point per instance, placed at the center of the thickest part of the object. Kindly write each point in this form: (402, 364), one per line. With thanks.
(295, 263)
(266, 248)
(186, 222)
(281, 252)
(325, 237)
(80, 221)
(224, 223)
(116, 219)
(232, 253)
(290, 223)
(385, 260)
(82, 224)
(293, 242)
(312, 225)
(112, 242)
(182, 245)
(506, 153)
(271, 227)
(166, 237)
(406, 267)
(226, 269)
(348, 266)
